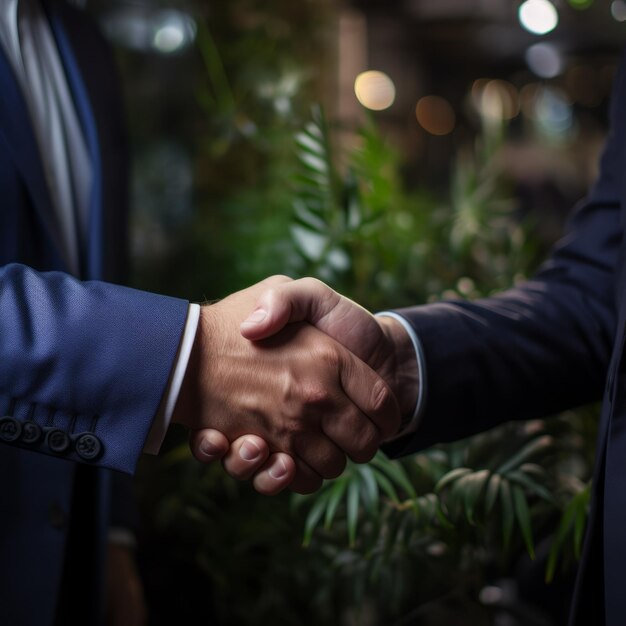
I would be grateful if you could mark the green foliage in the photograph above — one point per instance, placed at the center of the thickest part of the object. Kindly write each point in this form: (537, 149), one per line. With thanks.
(408, 541)
(508, 479)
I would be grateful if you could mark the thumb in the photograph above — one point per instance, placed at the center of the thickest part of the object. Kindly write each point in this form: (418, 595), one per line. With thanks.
(310, 300)
(307, 299)
(272, 313)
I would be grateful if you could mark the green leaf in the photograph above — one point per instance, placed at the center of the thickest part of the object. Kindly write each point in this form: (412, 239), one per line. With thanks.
(473, 485)
(580, 522)
(533, 470)
(334, 499)
(370, 487)
(493, 489)
(386, 485)
(306, 141)
(450, 477)
(508, 515)
(306, 216)
(559, 538)
(523, 519)
(535, 446)
(314, 516)
(311, 244)
(314, 163)
(523, 479)
(352, 511)
(396, 472)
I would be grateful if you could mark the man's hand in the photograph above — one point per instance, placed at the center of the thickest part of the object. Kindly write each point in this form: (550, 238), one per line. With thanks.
(381, 342)
(300, 391)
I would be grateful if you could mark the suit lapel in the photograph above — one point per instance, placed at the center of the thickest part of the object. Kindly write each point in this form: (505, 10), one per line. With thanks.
(92, 266)
(17, 132)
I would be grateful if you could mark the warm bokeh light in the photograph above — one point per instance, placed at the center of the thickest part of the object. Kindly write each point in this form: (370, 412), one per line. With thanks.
(495, 99)
(435, 115)
(538, 16)
(375, 90)
(544, 60)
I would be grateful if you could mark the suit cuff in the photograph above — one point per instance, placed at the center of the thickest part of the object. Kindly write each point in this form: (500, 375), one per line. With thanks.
(410, 426)
(163, 417)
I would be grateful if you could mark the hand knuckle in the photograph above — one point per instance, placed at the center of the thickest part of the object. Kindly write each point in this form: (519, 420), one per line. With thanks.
(315, 394)
(380, 396)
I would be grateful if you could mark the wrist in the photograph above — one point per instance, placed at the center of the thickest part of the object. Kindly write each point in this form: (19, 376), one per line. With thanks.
(403, 378)
(191, 399)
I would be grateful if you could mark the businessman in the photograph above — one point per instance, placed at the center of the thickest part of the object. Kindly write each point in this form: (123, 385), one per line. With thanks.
(458, 368)
(91, 373)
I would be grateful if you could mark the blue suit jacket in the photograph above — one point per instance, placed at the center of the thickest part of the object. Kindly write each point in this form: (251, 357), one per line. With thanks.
(77, 357)
(554, 343)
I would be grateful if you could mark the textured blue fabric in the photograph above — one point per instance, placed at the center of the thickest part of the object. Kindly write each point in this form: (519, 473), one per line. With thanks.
(78, 355)
(548, 345)
(91, 352)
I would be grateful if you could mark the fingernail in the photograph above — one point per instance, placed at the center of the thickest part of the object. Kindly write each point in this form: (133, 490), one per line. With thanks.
(209, 449)
(256, 317)
(278, 470)
(249, 451)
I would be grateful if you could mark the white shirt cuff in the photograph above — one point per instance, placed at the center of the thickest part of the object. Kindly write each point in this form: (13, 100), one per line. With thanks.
(412, 424)
(164, 415)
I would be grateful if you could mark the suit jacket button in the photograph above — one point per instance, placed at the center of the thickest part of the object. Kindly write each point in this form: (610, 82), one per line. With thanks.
(88, 446)
(10, 429)
(31, 432)
(58, 441)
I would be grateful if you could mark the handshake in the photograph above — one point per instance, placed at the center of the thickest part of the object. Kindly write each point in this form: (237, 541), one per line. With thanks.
(287, 378)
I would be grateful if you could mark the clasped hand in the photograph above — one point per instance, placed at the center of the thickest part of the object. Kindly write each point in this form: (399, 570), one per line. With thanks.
(288, 378)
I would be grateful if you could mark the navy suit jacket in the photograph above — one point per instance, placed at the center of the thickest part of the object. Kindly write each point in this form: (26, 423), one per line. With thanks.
(83, 363)
(554, 343)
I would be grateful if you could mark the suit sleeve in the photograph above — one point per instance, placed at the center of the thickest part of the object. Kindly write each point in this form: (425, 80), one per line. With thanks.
(537, 349)
(83, 365)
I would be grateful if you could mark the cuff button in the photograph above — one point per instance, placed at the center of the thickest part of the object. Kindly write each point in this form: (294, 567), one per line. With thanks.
(10, 429)
(58, 441)
(88, 447)
(31, 432)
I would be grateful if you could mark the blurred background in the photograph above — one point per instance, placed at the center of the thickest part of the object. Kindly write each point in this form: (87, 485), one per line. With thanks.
(404, 151)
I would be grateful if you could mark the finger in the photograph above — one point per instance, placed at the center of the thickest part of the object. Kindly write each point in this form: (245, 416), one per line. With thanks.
(305, 480)
(246, 456)
(371, 394)
(208, 445)
(277, 474)
(355, 434)
(320, 454)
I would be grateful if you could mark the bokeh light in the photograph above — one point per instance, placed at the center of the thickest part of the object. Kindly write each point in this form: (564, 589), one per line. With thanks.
(544, 60)
(549, 108)
(618, 10)
(435, 115)
(375, 90)
(164, 31)
(538, 16)
(495, 99)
